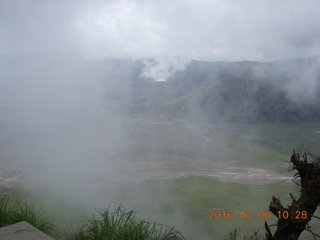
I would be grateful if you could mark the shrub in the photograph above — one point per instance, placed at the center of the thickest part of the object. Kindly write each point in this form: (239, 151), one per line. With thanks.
(121, 225)
(13, 211)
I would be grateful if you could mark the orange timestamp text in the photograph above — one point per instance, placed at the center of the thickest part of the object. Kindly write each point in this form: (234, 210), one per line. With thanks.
(241, 215)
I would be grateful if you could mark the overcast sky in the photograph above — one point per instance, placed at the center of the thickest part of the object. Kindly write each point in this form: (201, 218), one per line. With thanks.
(227, 30)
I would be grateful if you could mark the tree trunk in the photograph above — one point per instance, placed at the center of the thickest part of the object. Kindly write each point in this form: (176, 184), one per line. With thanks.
(293, 220)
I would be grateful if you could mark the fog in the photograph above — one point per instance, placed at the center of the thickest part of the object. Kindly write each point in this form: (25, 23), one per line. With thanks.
(72, 86)
(208, 30)
(49, 116)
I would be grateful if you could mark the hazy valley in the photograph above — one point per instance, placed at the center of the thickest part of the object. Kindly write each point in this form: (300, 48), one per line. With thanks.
(172, 146)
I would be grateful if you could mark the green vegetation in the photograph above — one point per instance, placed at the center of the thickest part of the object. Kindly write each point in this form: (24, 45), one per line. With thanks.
(104, 224)
(13, 211)
(121, 224)
(186, 202)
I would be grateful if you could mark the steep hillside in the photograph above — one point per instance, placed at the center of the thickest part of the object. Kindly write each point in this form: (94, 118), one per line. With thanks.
(279, 91)
(285, 91)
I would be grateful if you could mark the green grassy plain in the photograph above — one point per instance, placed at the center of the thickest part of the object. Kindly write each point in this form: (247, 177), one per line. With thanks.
(185, 203)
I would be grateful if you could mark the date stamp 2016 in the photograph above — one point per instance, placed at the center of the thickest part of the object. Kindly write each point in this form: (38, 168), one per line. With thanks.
(260, 215)
(242, 215)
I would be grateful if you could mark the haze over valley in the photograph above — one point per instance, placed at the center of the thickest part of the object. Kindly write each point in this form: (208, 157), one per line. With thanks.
(169, 109)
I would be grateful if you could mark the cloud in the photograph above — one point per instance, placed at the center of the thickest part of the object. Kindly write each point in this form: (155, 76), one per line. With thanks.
(204, 30)
(161, 68)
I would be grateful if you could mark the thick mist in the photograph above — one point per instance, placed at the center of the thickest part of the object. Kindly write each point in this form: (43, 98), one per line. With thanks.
(211, 30)
(170, 108)
(93, 133)
(76, 127)
(58, 126)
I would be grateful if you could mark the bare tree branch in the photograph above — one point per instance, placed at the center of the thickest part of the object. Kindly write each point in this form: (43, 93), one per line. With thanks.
(293, 220)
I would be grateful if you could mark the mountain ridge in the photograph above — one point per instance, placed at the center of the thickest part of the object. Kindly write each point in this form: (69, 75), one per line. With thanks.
(243, 91)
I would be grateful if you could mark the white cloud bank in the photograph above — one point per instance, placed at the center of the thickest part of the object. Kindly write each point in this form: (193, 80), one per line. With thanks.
(205, 30)
(160, 69)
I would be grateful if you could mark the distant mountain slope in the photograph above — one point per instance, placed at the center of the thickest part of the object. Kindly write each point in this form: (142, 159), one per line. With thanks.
(286, 91)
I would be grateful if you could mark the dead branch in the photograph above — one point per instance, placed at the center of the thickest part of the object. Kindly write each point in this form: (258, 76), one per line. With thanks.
(293, 220)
